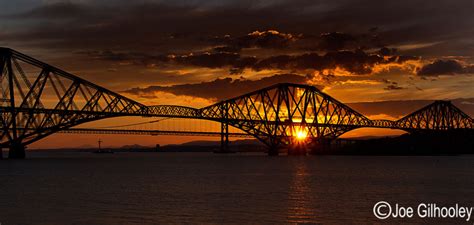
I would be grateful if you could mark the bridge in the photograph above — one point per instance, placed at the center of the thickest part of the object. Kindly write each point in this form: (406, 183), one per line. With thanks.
(39, 100)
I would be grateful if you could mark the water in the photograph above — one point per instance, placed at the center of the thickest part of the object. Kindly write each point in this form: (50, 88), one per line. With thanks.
(164, 188)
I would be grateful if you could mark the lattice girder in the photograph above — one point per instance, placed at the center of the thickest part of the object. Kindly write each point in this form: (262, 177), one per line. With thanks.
(276, 111)
(438, 116)
(38, 98)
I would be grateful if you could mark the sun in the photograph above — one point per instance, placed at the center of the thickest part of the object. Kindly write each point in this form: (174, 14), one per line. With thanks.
(301, 135)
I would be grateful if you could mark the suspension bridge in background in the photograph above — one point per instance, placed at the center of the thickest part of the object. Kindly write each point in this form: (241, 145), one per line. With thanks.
(39, 100)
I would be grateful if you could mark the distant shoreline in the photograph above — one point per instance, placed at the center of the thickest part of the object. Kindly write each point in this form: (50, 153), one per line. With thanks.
(407, 144)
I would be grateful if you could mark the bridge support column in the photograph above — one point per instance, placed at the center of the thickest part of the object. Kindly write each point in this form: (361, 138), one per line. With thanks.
(273, 151)
(17, 151)
(224, 138)
(224, 110)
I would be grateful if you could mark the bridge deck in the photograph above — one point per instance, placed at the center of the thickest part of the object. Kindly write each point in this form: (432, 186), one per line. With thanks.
(148, 132)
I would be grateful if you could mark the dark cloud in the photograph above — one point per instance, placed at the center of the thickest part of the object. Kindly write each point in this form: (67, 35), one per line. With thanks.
(403, 58)
(130, 24)
(389, 81)
(218, 89)
(127, 58)
(445, 67)
(393, 87)
(277, 40)
(336, 41)
(387, 51)
(230, 60)
(215, 60)
(356, 62)
(260, 39)
(227, 49)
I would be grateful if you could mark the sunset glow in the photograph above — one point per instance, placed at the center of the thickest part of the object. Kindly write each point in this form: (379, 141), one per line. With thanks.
(355, 59)
(301, 135)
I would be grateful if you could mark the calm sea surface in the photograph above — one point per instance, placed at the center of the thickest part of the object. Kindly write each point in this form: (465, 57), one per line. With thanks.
(207, 188)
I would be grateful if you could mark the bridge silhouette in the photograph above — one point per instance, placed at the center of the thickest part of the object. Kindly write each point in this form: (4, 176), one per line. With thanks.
(39, 100)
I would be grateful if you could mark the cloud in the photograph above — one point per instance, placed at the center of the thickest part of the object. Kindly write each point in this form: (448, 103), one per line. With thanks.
(218, 89)
(336, 41)
(355, 62)
(393, 87)
(387, 51)
(127, 58)
(445, 67)
(214, 60)
(272, 39)
(277, 40)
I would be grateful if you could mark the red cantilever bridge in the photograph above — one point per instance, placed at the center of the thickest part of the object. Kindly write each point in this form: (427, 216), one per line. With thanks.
(39, 99)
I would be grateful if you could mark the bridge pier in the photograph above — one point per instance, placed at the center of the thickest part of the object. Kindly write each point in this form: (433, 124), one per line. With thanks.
(16, 151)
(224, 143)
(274, 149)
(224, 139)
(224, 110)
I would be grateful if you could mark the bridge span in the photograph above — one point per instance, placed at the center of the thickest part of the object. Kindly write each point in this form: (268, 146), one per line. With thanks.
(39, 100)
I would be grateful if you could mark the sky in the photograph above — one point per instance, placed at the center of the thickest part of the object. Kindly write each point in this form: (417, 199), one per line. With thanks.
(194, 53)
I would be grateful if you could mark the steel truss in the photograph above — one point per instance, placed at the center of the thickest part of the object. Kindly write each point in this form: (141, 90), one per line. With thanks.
(437, 116)
(275, 114)
(38, 100)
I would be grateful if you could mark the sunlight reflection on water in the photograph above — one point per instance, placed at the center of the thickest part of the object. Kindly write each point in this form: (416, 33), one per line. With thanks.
(299, 209)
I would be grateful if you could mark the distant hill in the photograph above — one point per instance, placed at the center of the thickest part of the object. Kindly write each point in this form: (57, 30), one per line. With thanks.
(218, 143)
(86, 146)
(134, 146)
(370, 137)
